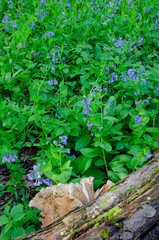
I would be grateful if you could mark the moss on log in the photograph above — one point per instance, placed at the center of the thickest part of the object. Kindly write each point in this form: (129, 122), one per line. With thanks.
(129, 210)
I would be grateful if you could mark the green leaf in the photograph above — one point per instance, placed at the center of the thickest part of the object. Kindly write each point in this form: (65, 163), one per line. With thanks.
(90, 152)
(81, 164)
(112, 119)
(110, 105)
(3, 220)
(114, 177)
(151, 129)
(47, 167)
(16, 209)
(18, 216)
(105, 146)
(62, 177)
(82, 142)
(29, 230)
(18, 232)
(59, 131)
(120, 160)
(64, 112)
(79, 60)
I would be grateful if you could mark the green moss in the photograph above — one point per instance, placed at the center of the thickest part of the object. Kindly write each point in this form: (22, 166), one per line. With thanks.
(157, 170)
(114, 188)
(104, 233)
(104, 203)
(149, 185)
(110, 215)
(96, 225)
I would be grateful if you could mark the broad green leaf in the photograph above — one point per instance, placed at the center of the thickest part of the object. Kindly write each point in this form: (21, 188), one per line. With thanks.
(18, 208)
(29, 230)
(59, 131)
(119, 146)
(3, 220)
(64, 112)
(18, 216)
(62, 177)
(119, 169)
(120, 160)
(47, 167)
(114, 176)
(105, 146)
(110, 105)
(79, 60)
(82, 142)
(113, 119)
(82, 164)
(18, 232)
(90, 152)
(151, 129)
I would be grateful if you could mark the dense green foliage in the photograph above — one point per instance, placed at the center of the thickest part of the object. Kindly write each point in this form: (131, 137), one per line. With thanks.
(79, 81)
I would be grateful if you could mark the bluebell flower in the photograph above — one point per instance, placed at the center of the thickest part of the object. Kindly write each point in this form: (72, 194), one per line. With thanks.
(157, 89)
(47, 181)
(136, 93)
(119, 42)
(73, 156)
(50, 83)
(85, 119)
(55, 82)
(144, 81)
(148, 9)
(32, 26)
(36, 170)
(23, 45)
(64, 139)
(107, 70)
(14, 26)
(38, 182)
(146, 101)
(53, 68)
(55, 142)
(140, 39)
(56, 115)
(93, 134)
(140, 101)
(100, 128)
(43, 2)
(131, 73)
(9, 158)
(88, 101)
(148, 155)
(89, 125)
(50, 34)
(68, 151)
(30, 176)
(105, 89)
(3, 124)
(83, 102)
(137, 120)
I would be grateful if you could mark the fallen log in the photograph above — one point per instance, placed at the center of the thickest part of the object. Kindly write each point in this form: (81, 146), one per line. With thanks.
(129, 210)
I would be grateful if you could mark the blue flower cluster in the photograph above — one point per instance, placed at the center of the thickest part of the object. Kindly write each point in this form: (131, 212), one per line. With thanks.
(9, 158)
(37, 176)
(148, 155)
(137, 119)
(86, 102)
(114, 77)
(53, 82)
(63, 139)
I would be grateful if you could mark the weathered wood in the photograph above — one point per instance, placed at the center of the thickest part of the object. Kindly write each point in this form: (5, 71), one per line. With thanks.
(129, 210)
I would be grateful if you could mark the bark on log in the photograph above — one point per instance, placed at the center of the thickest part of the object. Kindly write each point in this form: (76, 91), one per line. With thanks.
(129, 210)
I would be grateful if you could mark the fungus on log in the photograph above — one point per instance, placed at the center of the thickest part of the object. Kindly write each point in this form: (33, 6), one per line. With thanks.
(129, 210)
